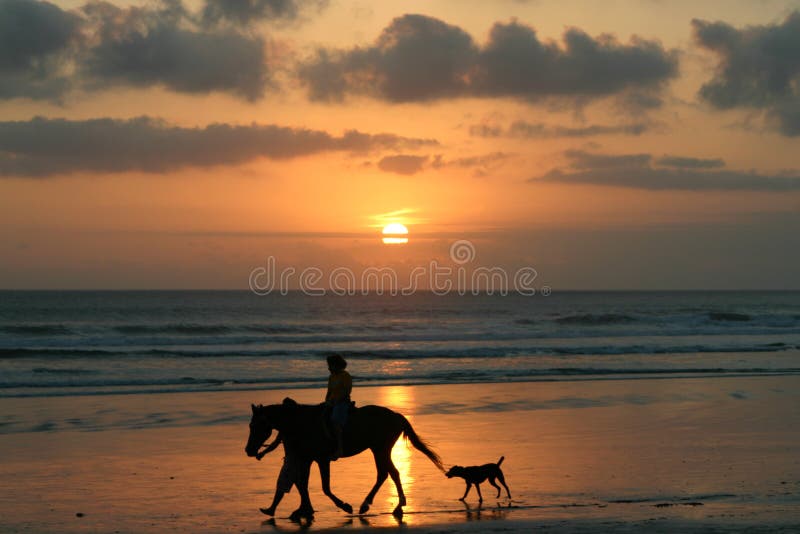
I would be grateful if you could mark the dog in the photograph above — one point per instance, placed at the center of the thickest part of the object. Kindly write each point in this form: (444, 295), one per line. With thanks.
(478, 473)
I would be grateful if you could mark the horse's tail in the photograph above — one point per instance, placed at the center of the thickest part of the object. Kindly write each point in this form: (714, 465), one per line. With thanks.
(500, 461)
(421, 445)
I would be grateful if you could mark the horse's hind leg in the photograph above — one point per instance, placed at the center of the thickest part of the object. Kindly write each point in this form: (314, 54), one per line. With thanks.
(325, 476)
(383, 472)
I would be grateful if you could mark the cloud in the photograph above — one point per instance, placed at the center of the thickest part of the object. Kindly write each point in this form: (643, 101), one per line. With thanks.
(416, 58)
(581, 159)
(419, 58)
(46, 51)
(681, 162)
(244, 12)
(46, 147)
(540, 130)
(403, 164)
(669, 173)
(411, 164)
(758, 68)
(36, 40)
(156, 46)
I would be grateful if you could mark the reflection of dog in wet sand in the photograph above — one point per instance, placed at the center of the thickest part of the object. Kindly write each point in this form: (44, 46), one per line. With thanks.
(478, 473)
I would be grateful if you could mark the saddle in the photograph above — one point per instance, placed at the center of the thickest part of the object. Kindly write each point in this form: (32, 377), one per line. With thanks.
(326, 418)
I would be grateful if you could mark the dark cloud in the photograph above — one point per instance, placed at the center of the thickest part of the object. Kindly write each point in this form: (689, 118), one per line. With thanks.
(688, 174)
(758, 68)
(540, 130)
(419, 58)
(681, 162)
(44, 147)
(144, 47)
(516, 63)
(411, 164)
(46, 51)
(36, 40)
(415, 58)
(244, 12)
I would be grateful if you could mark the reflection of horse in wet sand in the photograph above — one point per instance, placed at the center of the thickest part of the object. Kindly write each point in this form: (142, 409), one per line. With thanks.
(371, 427)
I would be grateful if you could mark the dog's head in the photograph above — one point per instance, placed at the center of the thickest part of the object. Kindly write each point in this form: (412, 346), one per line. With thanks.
(455, 471)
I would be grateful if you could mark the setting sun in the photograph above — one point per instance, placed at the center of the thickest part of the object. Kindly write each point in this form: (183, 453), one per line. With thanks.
(395, 234)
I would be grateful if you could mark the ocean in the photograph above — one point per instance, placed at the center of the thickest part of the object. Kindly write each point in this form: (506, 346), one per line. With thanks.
(67, 343)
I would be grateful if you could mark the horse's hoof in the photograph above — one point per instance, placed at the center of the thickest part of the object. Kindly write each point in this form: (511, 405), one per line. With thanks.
(398, 512)
(297, 516)
(364, 508)
(267, 511)
(347, 508)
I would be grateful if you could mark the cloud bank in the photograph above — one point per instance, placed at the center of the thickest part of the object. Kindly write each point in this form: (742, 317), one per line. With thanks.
(419, 58)
(46, 147)
(643, 171)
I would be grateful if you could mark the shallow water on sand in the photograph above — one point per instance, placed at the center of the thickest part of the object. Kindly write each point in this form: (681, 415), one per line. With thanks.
(705, 449)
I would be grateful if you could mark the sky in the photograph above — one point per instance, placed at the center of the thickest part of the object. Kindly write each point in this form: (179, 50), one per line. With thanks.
(607, 145)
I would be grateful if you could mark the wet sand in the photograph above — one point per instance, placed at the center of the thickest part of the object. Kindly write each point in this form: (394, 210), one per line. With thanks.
(682, 455)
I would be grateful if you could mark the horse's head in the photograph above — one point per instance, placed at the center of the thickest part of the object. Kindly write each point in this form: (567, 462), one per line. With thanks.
(260, 430)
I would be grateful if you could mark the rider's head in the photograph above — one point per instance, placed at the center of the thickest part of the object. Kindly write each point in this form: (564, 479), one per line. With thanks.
(336, 363)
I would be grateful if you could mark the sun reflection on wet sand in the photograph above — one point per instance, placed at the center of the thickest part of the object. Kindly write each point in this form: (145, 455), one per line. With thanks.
(400, 399)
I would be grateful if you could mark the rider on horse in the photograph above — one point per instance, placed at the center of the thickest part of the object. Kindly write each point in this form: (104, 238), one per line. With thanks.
(340, 384)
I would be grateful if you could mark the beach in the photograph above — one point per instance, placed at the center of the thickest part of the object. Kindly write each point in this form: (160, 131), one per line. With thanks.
(676, 454)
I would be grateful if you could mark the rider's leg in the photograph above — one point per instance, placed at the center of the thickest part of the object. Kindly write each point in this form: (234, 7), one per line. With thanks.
(337, 429)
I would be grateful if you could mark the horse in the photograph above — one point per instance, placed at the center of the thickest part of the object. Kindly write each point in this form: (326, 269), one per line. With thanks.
(370, 427)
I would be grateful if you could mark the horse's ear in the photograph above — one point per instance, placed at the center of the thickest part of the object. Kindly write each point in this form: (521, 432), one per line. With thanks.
(253, 406)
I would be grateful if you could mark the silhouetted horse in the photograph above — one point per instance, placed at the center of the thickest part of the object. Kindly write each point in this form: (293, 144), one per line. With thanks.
(371, 427)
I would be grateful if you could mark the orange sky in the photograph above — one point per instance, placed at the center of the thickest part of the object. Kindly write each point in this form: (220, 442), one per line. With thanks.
(520, 149)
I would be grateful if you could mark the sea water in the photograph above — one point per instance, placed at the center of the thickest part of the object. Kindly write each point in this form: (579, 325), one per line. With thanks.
(56, 343)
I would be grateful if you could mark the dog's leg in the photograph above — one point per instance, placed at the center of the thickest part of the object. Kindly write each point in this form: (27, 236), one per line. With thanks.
(480, 497)
(502, 480)
(491, 481)
(469, 486)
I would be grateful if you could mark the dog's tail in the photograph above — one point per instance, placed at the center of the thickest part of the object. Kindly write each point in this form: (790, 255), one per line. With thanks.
(421, 445)
(500, 461)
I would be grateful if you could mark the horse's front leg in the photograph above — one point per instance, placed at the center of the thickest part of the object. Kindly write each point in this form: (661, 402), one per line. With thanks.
(305, 510)
(325, 476)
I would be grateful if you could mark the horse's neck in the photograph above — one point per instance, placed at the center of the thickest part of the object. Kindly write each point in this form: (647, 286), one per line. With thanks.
(291, 419)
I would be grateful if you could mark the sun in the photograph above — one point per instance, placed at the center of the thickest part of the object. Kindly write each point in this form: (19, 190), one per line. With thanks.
(395, 234)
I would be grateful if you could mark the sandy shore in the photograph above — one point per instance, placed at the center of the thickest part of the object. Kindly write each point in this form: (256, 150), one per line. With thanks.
(676, 455)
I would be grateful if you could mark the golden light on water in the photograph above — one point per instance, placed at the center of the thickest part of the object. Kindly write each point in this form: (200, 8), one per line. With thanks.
(395, 234)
